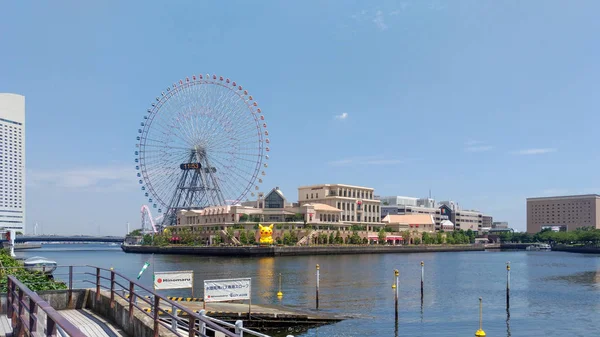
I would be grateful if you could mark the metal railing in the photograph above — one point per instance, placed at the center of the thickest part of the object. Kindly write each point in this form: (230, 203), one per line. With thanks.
(23, 308)
(165, 313)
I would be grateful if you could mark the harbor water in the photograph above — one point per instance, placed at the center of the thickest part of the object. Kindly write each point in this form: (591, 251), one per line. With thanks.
(552, 293)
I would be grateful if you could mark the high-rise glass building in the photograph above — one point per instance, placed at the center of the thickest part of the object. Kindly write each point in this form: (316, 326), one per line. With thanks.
(12, 162)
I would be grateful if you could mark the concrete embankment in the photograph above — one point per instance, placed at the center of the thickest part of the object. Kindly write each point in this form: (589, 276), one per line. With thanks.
(297, 250)
(578, 249)
(28, 246)
(514, 246)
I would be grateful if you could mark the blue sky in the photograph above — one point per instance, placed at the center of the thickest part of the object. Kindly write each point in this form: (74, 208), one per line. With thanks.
(483, 102)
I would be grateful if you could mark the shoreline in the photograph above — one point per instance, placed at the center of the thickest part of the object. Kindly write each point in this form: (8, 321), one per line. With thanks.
(576, 249)
(257, 251)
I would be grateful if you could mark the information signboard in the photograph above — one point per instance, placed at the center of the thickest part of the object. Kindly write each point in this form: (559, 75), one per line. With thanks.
(174, 279)
(227, 290)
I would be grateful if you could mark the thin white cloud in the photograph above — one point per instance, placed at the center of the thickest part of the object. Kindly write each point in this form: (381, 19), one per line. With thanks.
(360, 16)
(482, 148)
(343, 116)
(529, 152)
(85, 178)
(473, 142)
(403, 7)
(477, 146)
(379, 20)
(436, 6)
(377, 17)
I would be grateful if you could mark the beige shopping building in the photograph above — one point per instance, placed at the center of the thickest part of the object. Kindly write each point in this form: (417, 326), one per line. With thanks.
(358, 204)
(563, 212)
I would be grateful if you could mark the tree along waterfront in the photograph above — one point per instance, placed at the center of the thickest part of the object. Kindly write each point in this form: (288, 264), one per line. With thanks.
(290, 237)
(580, 236)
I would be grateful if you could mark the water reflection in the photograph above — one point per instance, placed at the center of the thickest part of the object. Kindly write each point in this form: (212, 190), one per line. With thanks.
(421, 309)
(588, 278)
(267, 277)
(507, 322)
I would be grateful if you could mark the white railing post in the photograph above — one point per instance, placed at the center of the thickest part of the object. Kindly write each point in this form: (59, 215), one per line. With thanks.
(239, 324)
(174, 318)
(202, 314)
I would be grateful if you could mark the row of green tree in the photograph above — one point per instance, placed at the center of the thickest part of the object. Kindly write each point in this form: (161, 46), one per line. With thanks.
(583, 235)
(248, 237)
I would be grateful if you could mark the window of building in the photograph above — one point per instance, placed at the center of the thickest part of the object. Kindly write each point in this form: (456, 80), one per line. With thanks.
(274, 200)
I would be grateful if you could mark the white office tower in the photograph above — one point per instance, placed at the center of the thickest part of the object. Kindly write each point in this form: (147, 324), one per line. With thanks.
(12, 162)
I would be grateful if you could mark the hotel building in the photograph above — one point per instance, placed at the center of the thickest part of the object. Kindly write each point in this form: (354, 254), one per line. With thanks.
(358, 204)
(563, 212)
(12, 162)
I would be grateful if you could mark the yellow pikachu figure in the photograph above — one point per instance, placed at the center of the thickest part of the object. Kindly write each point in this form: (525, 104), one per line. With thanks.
(266, 234)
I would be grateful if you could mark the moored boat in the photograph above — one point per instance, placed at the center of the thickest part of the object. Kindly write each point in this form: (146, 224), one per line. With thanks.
(41, 264)
(539, 246)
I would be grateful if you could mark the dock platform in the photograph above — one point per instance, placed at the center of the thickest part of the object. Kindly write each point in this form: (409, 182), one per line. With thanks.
(261, 315)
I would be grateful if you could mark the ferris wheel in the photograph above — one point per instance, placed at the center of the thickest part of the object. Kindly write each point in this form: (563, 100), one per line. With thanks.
(203, 142)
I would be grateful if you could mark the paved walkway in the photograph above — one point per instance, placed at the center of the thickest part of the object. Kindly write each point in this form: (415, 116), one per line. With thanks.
(89, 323)
(5, 326)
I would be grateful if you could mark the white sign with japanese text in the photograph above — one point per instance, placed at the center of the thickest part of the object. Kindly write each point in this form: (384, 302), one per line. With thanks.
(173, 279)
(227, 290)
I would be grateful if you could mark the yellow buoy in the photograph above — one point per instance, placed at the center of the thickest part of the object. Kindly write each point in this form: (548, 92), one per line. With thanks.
(480, 333)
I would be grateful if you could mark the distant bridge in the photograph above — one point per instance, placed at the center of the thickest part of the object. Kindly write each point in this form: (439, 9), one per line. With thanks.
(63, 238)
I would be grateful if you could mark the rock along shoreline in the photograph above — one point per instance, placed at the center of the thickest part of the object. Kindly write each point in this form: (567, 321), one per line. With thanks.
(257, 251)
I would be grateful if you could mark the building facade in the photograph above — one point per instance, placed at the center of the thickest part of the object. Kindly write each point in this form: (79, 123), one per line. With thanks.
(500, 225)
(487, 221)
(12, 162)
(466, 220)
(563, 212)
(413, 222)
(398, 201)
(358, 204)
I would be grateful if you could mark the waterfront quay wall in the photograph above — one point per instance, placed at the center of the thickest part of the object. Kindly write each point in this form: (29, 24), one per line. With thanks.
(577, 249)
(514, 246)
(297, 250)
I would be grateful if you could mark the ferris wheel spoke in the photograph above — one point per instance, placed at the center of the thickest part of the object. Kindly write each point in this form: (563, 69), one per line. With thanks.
(170, 166)
(236, 147)
(223, 115)
(168, 147)
(235, 170)
(165, 133)
(230, 142)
